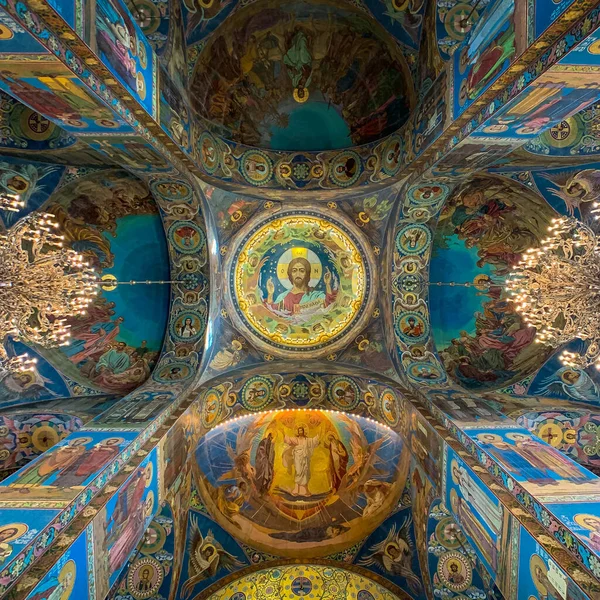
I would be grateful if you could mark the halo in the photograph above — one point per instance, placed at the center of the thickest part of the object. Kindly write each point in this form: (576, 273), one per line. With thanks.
(517, 437)
(481, 282)
(594, 47)
(114, 441)
(297, 97)
(69, 567)
(536, 561)
(453, 496)
(316, 270)
(304, 427)
(149, 504)
(21, 530)
(81, 441)
(391, 544)
(487, 438)
(148, 472)
(569, 371)
(580, 520)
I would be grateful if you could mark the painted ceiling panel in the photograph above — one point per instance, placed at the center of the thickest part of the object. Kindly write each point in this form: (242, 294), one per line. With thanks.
(301, 76)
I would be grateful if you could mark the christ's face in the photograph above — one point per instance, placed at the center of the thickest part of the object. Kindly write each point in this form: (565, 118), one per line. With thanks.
(300, 431)
(298, 274)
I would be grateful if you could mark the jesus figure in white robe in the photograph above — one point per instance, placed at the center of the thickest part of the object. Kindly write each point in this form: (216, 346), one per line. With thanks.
(298, 452)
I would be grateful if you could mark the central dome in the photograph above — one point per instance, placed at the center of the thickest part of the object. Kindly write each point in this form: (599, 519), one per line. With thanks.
(300, 282)
(301, 76)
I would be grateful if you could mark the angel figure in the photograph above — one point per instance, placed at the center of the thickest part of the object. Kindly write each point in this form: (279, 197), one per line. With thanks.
(365, 460)
(394, 555)
(206, 557)
(228, 357)
(573, 382)
(577, 189)
(240, 456)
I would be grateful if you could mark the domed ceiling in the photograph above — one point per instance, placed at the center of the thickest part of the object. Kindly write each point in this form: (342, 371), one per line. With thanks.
(111, 218)
(299, 282)
(485, 226)
(301, 483)
(289, 582)
(302, 76)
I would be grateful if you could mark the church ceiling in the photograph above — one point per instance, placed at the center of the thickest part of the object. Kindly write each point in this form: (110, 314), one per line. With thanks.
(112, 219)
(294, 77)
(485, 225)
(311, 427)
(329, 306)
(246, 479)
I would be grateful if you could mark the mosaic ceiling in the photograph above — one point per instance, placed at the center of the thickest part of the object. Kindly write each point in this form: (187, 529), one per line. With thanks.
(301, 76)
(336, 398)
(300, 283)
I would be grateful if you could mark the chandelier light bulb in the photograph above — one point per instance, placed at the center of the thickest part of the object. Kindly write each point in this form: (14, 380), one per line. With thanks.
(43, 284)
(556, 288)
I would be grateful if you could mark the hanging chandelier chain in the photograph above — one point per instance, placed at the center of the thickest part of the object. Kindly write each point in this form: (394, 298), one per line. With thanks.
(556, 289)
(43, 284)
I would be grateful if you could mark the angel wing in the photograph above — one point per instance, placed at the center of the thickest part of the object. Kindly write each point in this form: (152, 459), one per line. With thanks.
(226, 560)
(552, 386)
(589, 179)
(404, 533)
(195, 570)
(400, 565)
(377, 552)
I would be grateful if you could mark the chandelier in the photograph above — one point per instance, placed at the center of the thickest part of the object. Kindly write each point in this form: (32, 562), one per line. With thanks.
(556, 288)
(41, 284)
(11, 202)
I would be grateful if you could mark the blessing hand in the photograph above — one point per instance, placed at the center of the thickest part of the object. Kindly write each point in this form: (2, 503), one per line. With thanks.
(270, 286)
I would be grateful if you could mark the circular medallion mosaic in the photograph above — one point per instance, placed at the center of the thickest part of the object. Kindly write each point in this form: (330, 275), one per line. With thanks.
(454, 571)
(300, 282)
(344, 393)
(388, 404)
(145, 577)
(211, 408)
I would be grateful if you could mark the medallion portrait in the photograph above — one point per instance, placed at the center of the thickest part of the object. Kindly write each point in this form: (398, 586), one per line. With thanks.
(298, 282)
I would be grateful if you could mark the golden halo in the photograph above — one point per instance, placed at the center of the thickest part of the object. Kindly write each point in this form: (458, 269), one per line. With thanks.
(149, 504)
(517, 437)
(6, 33)
(453, 497)
(148, 472)
(141, 85)
(114, 441)
(594, 47)
(569, 371)
(316, 267)
(297, 97)
(481, 282)
(69, 567)
(580, 520)
(81, 441)
(21, 529)
(304, 427)
(487, 438)
(391, 545)
(537, 561)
